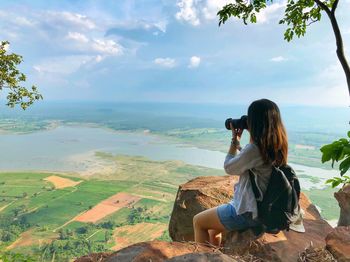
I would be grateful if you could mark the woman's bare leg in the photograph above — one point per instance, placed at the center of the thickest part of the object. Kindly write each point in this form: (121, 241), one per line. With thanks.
(215, 237)
(204, 221)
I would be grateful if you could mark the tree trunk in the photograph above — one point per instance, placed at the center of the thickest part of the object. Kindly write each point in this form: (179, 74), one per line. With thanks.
(340, 47)
(343, 198)
(338, 37)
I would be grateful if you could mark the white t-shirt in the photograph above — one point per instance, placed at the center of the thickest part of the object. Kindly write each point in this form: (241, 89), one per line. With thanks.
(239, 164)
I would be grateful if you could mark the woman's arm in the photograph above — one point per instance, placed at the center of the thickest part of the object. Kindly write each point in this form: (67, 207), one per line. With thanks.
(235, 142)
(249, 157)
(236, 161)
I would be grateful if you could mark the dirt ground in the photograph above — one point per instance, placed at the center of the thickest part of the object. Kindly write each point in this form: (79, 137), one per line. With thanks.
(130, 234)
(107, 207)
(27, 239)
(60, 182)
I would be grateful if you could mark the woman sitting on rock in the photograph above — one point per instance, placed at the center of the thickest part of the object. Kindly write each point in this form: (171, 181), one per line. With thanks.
(268, 146)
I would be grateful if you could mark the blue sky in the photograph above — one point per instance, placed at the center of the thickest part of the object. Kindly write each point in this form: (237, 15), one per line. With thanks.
(171, 51)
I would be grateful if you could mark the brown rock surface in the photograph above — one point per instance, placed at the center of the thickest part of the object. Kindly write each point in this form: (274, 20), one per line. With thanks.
(206, 192)
(203, 257)
(157, 251)
(338, 243)
(195, 196)
(343, 198)
(316, 254)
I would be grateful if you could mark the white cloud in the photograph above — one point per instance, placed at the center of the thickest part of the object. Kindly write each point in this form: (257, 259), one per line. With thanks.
(153, 27)
(99, 46)
(278, 59)
(108, 47)
(165, 62)
(22, 21)
(194, 62)
(99, 58)
(62, 65)
(188, 12)
(69, 19)
(161, 25)
(77, 37)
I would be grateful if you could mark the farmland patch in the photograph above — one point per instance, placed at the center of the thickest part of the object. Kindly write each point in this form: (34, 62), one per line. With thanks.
(107, 207)
(60, 182)
(130, 234)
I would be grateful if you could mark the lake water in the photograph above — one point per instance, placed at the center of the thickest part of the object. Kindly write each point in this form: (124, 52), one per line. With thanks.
(71, 149)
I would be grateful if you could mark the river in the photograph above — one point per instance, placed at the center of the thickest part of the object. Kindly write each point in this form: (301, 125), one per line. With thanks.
(71, 149)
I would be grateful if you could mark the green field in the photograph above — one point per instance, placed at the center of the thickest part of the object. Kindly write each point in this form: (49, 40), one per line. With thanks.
(37, 218)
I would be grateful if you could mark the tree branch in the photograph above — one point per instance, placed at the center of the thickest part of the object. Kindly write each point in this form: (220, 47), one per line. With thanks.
(311, 22)
(335, 5)
(340, 48)
(323, 6)
(338, 38)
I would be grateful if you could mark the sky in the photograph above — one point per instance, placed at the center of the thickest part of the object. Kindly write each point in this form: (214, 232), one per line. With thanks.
(172, 51)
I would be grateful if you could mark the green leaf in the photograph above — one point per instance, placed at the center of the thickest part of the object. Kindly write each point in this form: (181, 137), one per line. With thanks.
(335, 183)
(344, 166)
(329, 181)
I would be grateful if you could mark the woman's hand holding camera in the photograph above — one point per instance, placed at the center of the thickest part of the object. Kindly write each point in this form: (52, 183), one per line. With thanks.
(236, 137)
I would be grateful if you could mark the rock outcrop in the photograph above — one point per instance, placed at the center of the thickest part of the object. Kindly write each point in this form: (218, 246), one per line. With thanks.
(343, 198)
(159, 251)
(195, 196)
(206, 192)
(338, 243)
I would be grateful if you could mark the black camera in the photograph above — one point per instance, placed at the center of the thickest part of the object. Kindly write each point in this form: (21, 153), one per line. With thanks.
(241, 123)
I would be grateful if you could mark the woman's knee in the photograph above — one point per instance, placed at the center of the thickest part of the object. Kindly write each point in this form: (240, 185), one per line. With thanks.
(195, 220)
(214, 232)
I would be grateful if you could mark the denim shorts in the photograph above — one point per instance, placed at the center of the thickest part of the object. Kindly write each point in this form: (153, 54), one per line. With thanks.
(233, 222)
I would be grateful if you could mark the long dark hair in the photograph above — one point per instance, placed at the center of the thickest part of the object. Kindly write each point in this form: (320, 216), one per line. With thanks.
(267, 131)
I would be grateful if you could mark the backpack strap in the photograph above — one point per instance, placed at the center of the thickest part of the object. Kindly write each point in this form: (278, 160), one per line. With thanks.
(254, 186)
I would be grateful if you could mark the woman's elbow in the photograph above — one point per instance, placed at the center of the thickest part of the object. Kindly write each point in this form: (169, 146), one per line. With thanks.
(229, 170)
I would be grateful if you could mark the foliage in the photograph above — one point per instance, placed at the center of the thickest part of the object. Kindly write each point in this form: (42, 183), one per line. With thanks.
(338, 151)
(297, 16)
(65, 250)
(86, 229)
(11, 228)
(136, 216)
(242, 10)
(11, 78)
(14, 257)
(65, 234)
(108, 235)
(107, 225)
(336, 181)
(76, 243)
